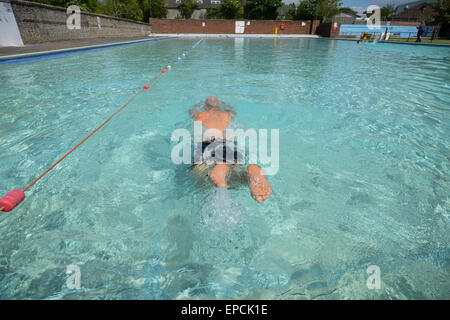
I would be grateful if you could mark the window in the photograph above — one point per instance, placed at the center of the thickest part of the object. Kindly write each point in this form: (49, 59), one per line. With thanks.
(216, 2)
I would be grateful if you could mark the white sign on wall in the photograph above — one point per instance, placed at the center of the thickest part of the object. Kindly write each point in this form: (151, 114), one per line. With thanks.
(99, 24)
(240, 27)
(9, 31)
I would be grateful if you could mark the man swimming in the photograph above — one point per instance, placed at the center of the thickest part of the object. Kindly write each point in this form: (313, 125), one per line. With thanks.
(213, 117)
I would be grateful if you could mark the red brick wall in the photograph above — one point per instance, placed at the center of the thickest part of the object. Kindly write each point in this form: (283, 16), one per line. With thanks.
(228, 26)
(328, 30)
(314, 25)
(268, 27)
(191, 26)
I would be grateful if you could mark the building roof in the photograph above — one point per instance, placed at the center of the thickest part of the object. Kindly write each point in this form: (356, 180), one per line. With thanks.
(418, 12)
(409, 5)
(345, 14)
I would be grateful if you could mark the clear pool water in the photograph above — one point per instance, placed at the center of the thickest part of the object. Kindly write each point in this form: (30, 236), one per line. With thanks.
(363, 179)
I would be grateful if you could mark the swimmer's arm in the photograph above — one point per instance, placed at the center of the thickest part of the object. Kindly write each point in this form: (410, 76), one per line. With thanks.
(193, 113)
(231, 114)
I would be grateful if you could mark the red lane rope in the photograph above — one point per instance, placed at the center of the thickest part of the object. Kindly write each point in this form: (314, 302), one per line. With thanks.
(15, 197)
(89, 135)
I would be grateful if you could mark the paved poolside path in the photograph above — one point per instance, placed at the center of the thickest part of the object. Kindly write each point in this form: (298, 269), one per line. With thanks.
(65, 45)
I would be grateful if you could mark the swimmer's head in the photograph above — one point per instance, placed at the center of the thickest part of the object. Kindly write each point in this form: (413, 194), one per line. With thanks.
(212, 102)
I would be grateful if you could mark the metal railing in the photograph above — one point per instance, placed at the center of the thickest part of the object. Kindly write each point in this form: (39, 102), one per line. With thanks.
(412, 34)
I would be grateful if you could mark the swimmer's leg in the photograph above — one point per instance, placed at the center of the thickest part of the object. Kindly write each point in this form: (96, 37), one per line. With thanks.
(259, 186)
(219, 174)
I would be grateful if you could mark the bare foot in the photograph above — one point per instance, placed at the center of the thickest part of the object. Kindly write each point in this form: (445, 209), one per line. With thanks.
(219, 175)
(259, 186)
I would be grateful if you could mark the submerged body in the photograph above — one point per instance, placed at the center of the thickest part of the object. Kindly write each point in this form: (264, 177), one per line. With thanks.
(216, 119)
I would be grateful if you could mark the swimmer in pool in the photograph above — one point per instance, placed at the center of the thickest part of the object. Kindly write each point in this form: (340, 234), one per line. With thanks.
(214, 117)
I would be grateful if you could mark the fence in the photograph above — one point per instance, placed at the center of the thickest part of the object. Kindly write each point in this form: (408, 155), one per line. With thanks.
(407, 32)
(217, 26)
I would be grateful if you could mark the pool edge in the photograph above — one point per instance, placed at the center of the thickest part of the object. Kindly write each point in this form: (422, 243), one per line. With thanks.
(23, 57)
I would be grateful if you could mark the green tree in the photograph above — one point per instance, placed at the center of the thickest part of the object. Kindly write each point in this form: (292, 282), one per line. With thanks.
(187, 8)
(305, 11)
(318, 9)
(387, 12)
(158, 9)
(85, 5)
(230, 9)
(214, 12)
(129, 9)
(327, 9)
(262, 9)
(442, 8)
(291, 13)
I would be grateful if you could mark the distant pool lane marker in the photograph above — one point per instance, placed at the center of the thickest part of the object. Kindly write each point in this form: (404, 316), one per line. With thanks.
(13, 198)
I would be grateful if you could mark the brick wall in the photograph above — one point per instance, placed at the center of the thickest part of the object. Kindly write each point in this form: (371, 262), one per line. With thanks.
(329, 30)
(41, 23)
(228, 26)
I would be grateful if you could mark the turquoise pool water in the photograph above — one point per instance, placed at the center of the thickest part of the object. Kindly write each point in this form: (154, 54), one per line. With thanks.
(363, 178)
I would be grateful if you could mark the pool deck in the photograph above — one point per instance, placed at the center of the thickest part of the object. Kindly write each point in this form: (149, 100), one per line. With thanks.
(62, 46)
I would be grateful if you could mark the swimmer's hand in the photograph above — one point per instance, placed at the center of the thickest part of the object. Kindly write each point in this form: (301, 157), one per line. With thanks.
(259, 186)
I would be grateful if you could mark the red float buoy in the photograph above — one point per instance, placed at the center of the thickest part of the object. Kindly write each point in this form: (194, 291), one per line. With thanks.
(11, 200)
(15, 197)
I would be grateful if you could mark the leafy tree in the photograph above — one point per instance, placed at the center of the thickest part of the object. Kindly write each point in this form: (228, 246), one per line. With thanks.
(214, 12)
(327, 9)
(387, 12)
(318, 9)
(158, 9)
(263, 9)
(230, 9)
(187, 8)
(305, 11)
(442, 8)
(129, 9)
(291, 13)
(85, 5)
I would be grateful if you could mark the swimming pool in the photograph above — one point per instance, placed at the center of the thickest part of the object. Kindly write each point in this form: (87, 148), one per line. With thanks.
(363, 177)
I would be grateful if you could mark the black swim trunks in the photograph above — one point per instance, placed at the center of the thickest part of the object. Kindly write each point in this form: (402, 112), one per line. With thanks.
(216, 151)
